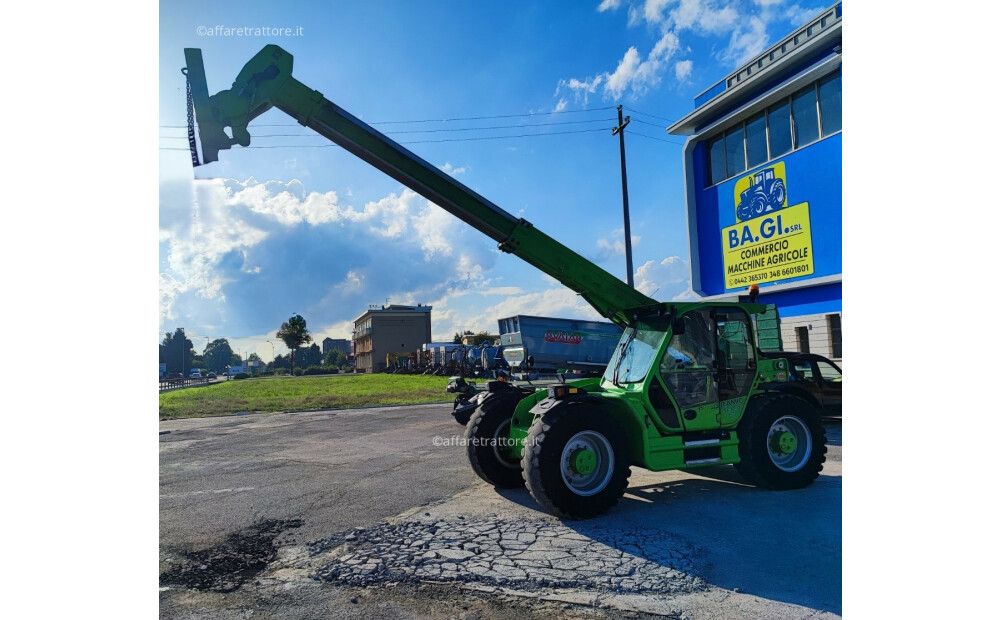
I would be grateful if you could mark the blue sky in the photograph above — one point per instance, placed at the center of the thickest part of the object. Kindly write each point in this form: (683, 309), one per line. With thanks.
(307, 228)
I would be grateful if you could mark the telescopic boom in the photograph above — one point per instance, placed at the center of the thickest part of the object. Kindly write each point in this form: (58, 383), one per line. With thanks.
(266, 81)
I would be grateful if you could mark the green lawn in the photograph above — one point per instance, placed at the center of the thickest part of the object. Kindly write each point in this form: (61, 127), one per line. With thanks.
(302, 393)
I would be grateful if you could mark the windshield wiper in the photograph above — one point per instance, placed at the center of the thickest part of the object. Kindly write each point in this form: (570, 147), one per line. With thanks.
(621, 355)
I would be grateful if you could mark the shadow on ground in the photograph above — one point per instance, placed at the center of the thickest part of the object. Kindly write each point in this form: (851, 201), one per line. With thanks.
(779, 545)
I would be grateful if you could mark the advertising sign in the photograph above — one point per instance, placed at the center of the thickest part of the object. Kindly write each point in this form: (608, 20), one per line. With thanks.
(771, 240)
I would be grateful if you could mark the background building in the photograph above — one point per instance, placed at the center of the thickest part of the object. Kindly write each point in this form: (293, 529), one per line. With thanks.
(336, 344)
(394, 329)
(763, 170)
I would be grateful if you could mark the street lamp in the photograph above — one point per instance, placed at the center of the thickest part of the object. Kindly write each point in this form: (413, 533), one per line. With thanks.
(272, 353)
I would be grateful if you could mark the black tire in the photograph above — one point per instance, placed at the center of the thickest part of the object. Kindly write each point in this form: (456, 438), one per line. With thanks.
(782, 442)
(777, 194)
(488, 427)
(549, 474)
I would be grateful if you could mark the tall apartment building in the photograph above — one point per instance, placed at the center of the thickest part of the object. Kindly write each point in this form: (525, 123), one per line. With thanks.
(382, 330)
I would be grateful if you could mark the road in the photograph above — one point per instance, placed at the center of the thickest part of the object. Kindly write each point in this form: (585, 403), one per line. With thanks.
(363, 513)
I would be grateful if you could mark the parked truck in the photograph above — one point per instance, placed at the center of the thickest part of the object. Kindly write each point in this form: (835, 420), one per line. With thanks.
(685, 387)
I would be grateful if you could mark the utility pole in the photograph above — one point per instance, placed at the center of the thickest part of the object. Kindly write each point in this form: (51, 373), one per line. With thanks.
(620, 130)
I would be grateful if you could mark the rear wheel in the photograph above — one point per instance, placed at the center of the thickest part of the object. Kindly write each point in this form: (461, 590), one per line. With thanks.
(782, 442)
(575, 462)
(487, 436)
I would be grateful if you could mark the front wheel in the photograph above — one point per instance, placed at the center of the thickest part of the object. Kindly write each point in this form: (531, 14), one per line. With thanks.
(487, 439)
(782, 442)
(575, 462)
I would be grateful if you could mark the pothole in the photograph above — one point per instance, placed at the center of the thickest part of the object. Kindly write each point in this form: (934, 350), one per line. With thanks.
(226, 567)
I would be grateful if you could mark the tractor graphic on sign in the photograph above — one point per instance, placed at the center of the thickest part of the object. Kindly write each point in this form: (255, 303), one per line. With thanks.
(765, 194)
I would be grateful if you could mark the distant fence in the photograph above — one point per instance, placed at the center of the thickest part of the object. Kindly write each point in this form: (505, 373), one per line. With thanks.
(174, 384)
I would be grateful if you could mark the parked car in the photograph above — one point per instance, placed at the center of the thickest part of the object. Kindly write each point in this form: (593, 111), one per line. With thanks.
(211, 375)
(820, 376)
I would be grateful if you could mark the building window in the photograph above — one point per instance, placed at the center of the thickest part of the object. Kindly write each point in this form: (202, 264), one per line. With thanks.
(833, 322)
(830, 104)
(805, 117)
(756, 140)
(735, 158)
(717, 154)
(779, 128)
(789, 124)
(802, 336)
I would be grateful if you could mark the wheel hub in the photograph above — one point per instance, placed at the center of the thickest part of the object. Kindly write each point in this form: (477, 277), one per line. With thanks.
(583, 461)
(784, 443)
(587, 463)
(789, 443)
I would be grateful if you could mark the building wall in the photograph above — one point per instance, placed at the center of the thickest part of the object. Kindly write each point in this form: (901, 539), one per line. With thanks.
(820, 336)
(396, 329)
(338, 344)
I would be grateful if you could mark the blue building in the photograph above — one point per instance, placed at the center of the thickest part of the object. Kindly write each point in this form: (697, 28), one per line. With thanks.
(763, 171)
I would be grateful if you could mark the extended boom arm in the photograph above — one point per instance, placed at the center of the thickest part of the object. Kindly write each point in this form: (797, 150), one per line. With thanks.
(267, 81)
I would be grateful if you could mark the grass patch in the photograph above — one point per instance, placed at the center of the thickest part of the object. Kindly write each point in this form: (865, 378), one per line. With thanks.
(272, 394)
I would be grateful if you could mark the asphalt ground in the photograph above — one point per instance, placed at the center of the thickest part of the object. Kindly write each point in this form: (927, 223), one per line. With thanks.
(375, 513)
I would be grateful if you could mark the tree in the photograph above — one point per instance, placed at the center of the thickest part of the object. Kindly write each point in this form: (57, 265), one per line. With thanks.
(312, 356)
(335, 358)
(458, 337)
(218, 355)
(280, 361)
(294, 334)
(177, 352)
(482, 337)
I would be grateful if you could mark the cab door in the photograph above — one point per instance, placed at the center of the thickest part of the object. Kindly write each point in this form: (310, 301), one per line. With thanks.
(688, 370)
(735, 361)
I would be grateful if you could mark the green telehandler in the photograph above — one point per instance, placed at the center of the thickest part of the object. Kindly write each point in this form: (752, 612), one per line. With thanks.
(686, 387)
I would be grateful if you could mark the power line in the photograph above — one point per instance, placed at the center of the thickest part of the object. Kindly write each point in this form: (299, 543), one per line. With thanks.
(453, 129)
(642, 135)
(669, 120)
(433, 120)
(526, 135)
(325, 146)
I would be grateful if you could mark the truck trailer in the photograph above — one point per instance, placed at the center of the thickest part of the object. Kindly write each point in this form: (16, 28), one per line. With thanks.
(545, 344)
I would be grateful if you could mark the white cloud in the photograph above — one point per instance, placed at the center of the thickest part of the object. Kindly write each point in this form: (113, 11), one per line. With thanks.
(662, 279)
(624, 73)
(557, 301)
(448, 169)
(702, 16)
(582, 89)
(233, 253)
(561, 105)
(609, 5)
(683, 70)
(747, 41)
(652, 10)
(743, 23)
(798, 15)
(614, 244)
